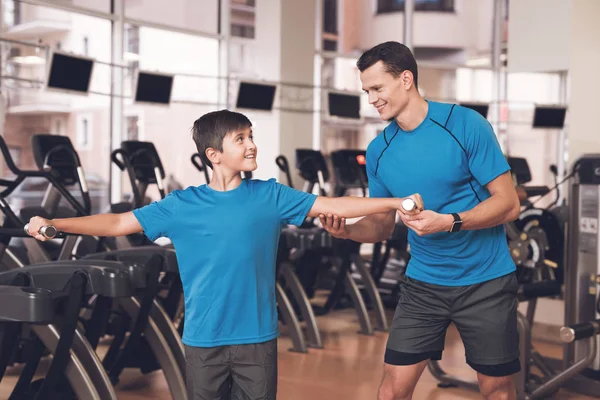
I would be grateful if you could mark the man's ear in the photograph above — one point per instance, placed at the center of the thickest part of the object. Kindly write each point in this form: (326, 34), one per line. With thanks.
(214, 156)
(407, 79)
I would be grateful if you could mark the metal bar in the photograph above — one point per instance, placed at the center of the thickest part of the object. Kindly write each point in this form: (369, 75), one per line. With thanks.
(24, 43)
(166, 327)
(372, 292)
(70, 7)
(171, 28)
(525, 354)
(557, 381)
(290, 319)
(359, 305)
(409, 12)
(93, 366)
(116, 100)
(308, 316)
(160, 349)
(75, 371)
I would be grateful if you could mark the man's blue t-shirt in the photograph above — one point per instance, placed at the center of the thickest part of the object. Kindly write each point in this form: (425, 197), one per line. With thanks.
(448, 159)
(226, 245)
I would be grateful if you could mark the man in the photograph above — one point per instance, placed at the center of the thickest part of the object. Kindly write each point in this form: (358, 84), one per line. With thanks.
(460, 269)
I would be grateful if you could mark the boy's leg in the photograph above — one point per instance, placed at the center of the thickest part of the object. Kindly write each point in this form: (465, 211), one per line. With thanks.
(417, 335)
(485, 315)
(254, 371)
(208, 373)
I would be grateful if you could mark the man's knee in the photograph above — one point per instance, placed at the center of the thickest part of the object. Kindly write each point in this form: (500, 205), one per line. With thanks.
(497, 388)
(399, 381)
(391, 391)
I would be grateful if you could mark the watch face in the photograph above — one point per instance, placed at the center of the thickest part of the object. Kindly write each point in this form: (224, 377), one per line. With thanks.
(456, 226)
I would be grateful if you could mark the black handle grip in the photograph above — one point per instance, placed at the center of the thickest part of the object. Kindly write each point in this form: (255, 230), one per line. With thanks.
(282, 163)
(579, 331)
(199, 164)
(533, 191)
(539, 289)
(284, 166)
(197, 161)
(49, 232)
(115, 159)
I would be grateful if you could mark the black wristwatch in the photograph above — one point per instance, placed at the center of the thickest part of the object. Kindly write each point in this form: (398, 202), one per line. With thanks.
(457, 224)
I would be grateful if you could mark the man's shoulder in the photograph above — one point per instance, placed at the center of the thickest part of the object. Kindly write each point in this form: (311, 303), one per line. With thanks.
(456, 117)
(380, 141)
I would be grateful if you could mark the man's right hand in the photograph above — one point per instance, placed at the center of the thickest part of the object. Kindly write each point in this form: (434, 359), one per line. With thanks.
(35, 225)
(335, 225)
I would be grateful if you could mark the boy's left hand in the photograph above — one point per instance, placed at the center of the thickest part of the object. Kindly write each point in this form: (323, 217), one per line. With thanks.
(427, 222)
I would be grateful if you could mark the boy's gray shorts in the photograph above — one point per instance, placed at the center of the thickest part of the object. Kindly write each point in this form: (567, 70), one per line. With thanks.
(485, 315)
(236, 372)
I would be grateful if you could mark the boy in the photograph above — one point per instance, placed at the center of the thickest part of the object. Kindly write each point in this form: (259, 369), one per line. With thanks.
(226, 235)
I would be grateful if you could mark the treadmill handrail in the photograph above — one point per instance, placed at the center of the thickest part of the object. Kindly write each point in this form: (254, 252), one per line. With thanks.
(22, 174)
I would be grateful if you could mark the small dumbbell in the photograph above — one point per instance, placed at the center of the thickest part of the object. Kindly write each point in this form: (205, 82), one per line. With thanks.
(48, 231)
(409, 204)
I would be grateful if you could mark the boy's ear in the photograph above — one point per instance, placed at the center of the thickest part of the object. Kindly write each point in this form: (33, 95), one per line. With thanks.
(213, 155)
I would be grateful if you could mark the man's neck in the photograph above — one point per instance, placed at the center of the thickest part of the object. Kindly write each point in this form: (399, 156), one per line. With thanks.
(413, 114)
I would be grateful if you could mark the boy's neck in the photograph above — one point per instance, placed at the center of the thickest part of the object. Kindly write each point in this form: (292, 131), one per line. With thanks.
(224, 181)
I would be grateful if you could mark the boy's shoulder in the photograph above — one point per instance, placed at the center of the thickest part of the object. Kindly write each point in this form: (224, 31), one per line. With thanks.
(261, 184)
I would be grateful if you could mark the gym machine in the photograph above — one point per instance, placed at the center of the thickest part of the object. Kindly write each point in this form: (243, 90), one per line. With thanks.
(389, 258)
(153, 342)
(579, 370)
(344, 253)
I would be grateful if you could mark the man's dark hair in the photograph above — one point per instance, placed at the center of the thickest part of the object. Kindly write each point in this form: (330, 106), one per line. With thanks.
(210, 129)
(396, 57)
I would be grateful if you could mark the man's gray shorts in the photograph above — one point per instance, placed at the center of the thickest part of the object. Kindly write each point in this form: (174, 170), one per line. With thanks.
(485, 315)
(237, 372)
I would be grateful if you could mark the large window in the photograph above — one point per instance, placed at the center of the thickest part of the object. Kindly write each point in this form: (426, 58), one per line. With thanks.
(385, 6)
(330, 25)
(194, 63)
(243, 18)
(31, 108)
(11, 13)
(189, 15)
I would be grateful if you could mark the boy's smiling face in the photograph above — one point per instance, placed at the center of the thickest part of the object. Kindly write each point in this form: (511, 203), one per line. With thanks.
(239, 151)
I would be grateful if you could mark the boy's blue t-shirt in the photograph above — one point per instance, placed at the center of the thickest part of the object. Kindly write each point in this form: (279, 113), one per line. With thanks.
(226, 245)
(448, 159)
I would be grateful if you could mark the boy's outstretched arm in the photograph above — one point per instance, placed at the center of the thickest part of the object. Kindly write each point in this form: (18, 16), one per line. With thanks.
(352, 207)
(94, 225)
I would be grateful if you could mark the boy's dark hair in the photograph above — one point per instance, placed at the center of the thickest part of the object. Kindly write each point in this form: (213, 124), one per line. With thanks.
(210, 129)
(396, 57)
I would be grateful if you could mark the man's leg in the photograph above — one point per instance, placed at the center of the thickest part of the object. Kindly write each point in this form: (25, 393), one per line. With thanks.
(399, 381)
(417, 335)
(485, 315)
(497, 387)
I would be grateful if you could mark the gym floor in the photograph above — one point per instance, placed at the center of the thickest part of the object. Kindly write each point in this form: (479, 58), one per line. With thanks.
(349, 367)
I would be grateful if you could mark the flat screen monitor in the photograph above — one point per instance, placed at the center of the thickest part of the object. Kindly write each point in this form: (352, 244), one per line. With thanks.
(549, 117)
(255, 96)
(343, 105)
(70, 73)
(481, 108)
(153, 88)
